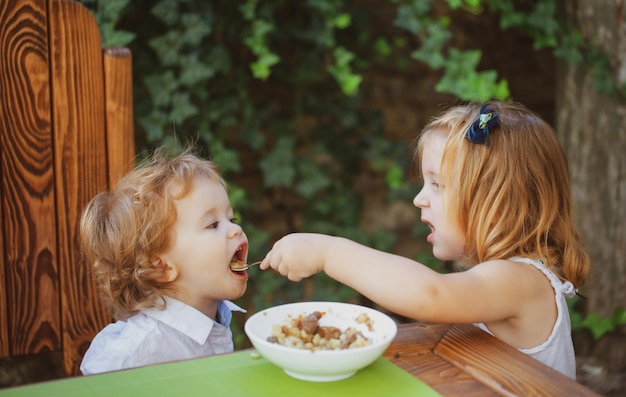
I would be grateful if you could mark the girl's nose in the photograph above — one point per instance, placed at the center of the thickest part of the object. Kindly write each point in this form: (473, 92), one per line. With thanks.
(420, 201)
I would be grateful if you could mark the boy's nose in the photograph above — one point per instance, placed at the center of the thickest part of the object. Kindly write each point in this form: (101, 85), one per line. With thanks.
(235, 230)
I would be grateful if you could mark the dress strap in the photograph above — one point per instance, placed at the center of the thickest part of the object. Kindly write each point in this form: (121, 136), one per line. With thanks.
(565, 287)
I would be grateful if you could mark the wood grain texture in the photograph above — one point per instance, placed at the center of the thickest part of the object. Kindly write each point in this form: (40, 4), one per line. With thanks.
(118, 87)
(4, 331)
(502, 367)
(462, 360)
(80, 164)
(53, 160)
(31, 306)
(413, 351)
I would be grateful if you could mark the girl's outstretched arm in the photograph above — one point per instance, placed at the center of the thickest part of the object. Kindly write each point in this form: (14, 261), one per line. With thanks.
(382, 277)
(491, 291)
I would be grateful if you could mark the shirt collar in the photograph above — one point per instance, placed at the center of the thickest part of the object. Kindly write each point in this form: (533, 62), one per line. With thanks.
(190, 321)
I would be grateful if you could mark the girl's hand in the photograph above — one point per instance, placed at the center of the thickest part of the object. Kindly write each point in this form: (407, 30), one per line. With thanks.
(297, 256)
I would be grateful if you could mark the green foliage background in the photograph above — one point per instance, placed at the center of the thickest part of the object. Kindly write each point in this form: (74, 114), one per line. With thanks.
(273, 91)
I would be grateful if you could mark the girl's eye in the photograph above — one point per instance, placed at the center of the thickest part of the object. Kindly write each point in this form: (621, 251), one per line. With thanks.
(234, 220)
(213, 225)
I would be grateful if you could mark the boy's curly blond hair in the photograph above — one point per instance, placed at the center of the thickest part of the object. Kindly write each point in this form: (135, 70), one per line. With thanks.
(122, 231)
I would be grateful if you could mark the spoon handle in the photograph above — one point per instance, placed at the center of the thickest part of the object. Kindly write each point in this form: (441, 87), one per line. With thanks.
(253, 264)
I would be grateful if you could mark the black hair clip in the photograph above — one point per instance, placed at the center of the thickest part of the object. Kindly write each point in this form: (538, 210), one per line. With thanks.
(478, 132)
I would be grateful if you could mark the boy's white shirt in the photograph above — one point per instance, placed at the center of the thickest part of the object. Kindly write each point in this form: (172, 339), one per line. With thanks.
(152, 336)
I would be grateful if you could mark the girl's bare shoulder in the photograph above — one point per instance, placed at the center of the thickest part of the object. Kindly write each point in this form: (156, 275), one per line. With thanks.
(519, 276)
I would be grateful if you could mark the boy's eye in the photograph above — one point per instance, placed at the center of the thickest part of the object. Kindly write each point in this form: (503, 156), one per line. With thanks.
(213, 225)
(234, 220)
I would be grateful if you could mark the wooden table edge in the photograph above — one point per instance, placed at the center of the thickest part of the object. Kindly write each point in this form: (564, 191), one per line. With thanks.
(453, 358)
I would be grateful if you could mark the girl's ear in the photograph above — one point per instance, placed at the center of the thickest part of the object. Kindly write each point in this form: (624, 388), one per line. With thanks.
(167, 273)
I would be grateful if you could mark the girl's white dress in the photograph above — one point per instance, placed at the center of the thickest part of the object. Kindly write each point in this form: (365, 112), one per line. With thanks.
(558, 350)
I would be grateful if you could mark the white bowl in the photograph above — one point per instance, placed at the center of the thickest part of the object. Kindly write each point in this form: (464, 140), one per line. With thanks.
(321, 365)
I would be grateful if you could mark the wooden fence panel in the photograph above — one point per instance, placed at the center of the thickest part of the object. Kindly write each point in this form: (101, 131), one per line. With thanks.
(118, 88)
(63, 138)
(78, 107)
(28, 196)
(4, 331)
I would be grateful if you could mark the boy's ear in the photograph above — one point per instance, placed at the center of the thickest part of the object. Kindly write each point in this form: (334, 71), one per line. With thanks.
(167, 273)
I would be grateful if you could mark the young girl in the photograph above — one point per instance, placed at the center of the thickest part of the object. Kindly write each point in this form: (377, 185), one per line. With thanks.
(160, 245)
(496, 198)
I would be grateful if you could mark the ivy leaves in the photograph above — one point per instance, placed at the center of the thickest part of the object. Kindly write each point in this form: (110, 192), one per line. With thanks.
(274, 91)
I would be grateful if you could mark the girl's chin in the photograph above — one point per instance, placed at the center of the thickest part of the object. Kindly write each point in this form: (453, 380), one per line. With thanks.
(444, 256)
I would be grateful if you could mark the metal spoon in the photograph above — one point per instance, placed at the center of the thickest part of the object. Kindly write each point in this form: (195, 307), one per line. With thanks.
(244, 267)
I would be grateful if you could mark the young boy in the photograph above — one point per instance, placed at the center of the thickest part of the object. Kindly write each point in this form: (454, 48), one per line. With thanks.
(160, 245)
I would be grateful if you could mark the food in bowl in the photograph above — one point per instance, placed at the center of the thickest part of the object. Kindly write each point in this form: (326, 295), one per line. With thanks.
(305, 332)
(322, 365)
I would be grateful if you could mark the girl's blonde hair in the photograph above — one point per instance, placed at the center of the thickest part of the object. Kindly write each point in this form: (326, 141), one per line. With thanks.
(123, 231)
(511, 197)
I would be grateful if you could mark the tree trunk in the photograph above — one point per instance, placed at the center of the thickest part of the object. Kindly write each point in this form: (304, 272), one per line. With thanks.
(592, 127)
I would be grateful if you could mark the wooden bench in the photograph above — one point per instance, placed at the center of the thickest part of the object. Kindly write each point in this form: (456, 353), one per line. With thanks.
(66, 133)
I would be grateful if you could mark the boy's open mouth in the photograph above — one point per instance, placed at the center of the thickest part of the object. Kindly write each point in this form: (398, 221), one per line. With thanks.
(237, 263)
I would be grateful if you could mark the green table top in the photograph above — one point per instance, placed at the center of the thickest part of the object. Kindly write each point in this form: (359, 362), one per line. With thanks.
(237, 374)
